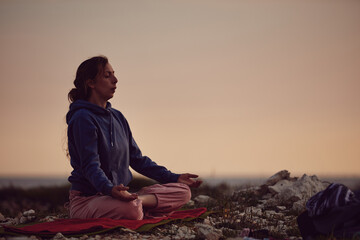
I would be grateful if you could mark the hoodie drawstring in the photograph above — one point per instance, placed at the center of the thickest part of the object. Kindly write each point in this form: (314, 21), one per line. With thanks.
(111, 129)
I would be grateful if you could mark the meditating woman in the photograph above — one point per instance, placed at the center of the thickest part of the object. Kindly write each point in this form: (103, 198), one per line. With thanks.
(102, 149)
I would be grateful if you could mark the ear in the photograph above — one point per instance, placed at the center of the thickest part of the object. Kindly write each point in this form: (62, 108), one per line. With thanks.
(90, 83)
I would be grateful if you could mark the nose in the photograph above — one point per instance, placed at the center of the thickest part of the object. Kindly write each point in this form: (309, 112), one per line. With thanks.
(115, 80)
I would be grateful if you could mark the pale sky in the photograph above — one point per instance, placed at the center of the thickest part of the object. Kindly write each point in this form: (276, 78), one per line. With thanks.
(218, 88)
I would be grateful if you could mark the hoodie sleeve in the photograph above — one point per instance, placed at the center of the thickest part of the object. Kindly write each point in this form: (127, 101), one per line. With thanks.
(86, 141)
(145, 166)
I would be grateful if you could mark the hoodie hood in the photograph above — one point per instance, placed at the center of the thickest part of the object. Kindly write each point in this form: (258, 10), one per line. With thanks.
(81, 104)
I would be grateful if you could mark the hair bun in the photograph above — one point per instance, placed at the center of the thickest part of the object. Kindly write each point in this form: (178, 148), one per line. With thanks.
(73, 95)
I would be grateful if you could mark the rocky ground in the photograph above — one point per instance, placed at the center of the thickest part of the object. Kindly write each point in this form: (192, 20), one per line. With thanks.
(252, 212)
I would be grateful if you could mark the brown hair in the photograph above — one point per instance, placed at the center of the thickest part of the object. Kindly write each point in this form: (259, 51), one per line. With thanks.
(88, 69)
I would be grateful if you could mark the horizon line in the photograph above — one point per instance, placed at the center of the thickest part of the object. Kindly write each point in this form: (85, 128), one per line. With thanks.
(207, 176)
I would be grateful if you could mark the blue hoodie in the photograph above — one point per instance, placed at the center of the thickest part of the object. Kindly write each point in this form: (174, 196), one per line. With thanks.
(102, 148)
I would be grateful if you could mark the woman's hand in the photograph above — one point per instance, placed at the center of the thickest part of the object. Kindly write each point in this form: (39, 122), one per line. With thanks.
(120, 192)
(186, 178)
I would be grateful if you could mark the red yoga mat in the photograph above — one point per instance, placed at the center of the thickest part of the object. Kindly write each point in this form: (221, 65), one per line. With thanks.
(81, 226)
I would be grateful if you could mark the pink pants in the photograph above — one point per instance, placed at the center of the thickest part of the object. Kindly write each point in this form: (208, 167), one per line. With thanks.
(170, 196)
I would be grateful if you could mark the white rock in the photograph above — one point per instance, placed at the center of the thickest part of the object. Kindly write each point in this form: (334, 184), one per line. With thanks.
(181, 233)
(59, 236)
(83, 237)
(123, 230)
(208, 232)
(16, 220)
(207, 221)
(23, 220)
(48, 219)
(2, 218)
(281, 208)
(191, 203)
(298, 191)
(284, 174)
(30, 212)
(203, 199)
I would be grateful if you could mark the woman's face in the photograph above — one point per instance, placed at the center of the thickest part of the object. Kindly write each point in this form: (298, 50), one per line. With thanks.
(105, 84)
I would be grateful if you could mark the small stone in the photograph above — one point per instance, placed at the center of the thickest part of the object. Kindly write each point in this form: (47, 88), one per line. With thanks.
(16, 220)
(48, 219)
(191, 203)
(23, 220)
(30, 212)
(59, 236)
(208, 232)
(203, 199)
(207, 221)
(83, 237)
(2, 218)
(281, 208)
(124, 230)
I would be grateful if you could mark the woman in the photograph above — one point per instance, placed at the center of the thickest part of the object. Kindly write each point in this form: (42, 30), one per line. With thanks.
(102, 148)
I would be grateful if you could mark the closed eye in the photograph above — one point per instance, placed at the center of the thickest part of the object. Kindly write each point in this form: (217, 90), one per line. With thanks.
(108, 74)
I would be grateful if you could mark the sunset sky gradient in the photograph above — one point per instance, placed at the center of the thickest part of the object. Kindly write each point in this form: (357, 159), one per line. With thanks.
(218, 88)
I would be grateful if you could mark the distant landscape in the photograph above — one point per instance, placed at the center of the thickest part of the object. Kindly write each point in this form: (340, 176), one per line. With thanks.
(31, 182)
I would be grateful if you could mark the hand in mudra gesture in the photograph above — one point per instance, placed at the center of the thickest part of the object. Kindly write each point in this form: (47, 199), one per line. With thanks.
(120, 192)
(187, 178)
